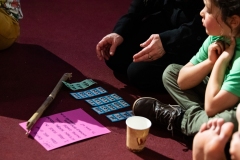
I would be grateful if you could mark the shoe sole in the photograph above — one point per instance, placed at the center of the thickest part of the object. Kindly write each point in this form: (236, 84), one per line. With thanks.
(140, 99)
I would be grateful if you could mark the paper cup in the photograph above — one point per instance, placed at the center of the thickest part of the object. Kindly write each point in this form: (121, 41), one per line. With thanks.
(137, 132)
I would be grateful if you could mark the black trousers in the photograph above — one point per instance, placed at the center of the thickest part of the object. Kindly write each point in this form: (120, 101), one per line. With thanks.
(148, 75)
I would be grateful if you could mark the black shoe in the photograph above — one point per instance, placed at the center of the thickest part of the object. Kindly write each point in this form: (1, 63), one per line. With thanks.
(158, 112)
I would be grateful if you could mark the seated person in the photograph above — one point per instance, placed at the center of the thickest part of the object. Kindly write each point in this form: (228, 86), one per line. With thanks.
(10, 14)
(208, 86)
(152, 35)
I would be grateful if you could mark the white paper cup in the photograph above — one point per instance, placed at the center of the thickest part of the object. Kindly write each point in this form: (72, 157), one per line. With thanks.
(137, 132)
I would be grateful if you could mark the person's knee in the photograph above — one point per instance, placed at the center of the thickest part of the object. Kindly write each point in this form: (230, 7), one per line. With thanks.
(134, 73)
(145, 76)
(169, 73)
(170, 76)
(137, 75)
(116, 65)
(9, 30)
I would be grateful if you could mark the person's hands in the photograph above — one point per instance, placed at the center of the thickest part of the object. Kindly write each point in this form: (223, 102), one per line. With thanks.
(234, 146)
(221, 49)
(215, 50)
(152, 49)
(107, 46)
(229, 52)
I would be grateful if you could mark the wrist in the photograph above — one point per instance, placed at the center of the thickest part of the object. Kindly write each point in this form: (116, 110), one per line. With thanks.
(210, 62)
(224, 59)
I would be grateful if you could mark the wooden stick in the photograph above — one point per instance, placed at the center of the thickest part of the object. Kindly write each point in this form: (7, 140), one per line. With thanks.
(46, 103)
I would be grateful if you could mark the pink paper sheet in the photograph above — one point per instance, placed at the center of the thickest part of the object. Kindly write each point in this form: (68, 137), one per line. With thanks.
(64, 128)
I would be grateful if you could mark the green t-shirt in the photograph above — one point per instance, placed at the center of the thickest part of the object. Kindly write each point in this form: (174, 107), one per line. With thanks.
(231, 81)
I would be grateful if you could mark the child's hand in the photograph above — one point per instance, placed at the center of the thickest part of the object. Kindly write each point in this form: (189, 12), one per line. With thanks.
(215, 50)
(229, 52)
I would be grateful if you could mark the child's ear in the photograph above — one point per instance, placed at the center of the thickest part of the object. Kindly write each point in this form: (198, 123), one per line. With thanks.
(235, 21)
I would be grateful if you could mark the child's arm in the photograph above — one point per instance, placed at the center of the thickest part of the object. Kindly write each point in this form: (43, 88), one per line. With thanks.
(217, 100)
(191, 75)
(199, 66)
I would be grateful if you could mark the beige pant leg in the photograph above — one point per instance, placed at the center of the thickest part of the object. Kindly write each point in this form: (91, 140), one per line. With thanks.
(9, 30)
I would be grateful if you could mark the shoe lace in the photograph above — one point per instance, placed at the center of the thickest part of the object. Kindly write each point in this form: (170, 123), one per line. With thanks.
(170, 122)
(172, 117)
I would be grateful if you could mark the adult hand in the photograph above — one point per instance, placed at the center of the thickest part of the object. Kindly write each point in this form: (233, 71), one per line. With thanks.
(152, 49)
(107, 46)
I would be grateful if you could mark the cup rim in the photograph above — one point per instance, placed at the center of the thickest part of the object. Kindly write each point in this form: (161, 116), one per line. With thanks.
(128, 120)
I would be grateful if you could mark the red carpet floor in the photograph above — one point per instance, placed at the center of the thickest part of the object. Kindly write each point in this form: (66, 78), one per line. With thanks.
(59, 37)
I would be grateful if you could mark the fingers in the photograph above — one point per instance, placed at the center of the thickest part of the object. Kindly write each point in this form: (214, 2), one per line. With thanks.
(149, 53)
(151, 49)
(101, 48)
(224, 46)
(144, 55)
(112, 49)
(99, 51)
(147, 42)
(233, 43)
(107, 46)
(105, 51)
(229, 52)
(219, 46)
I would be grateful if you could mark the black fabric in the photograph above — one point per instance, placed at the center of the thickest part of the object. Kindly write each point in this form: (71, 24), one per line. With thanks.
(182, 19)
(180, 30)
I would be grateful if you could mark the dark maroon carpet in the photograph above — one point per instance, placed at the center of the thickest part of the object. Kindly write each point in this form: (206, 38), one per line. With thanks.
(59, 37)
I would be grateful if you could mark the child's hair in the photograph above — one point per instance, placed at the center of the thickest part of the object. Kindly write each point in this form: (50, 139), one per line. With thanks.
(228, 8)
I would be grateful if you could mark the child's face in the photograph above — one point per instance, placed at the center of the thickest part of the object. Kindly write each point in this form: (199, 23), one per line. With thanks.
(211, 18)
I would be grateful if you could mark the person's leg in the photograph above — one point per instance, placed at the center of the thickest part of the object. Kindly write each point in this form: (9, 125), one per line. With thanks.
(210, 141)
(168, 114)
(148, 75)
(234, 146)
(185, 98)
(192, 101)
(9, 30)
(123, 55)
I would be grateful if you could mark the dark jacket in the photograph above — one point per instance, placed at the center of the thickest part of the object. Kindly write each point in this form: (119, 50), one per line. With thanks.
(179, 35)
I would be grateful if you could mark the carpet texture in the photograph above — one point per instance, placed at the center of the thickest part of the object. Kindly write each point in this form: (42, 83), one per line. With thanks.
(59, 37)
